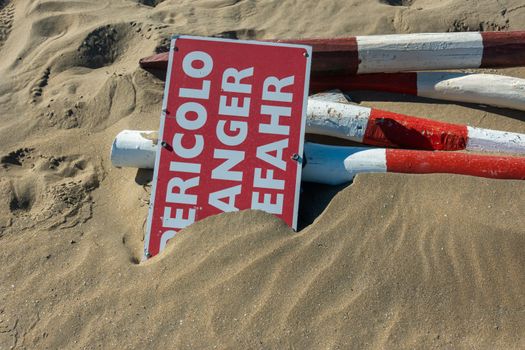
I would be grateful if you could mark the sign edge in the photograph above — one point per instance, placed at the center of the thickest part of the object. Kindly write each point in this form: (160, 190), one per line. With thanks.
(302, 135)
(158, 155)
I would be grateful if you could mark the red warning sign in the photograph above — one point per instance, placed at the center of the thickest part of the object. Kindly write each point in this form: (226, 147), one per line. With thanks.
(232, 131)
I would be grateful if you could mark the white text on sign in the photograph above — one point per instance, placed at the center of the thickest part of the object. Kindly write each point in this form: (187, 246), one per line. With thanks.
(234, 101)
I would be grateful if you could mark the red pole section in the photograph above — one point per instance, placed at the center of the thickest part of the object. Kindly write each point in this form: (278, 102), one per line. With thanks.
(421, 162)
(332, 55)
(390, 129)
(157, 61)
(403, 83)
(503, 49)
(404, 52)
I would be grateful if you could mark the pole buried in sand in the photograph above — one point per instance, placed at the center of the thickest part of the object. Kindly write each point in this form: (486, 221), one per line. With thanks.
(334, 165)
(386, 129)
(404, 52)
(485, 89)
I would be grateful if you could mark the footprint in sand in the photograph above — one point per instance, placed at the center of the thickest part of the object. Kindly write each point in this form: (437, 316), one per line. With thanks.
(100, 48)
(44, 191)
(40, 84)
(398, 2)
(7, 13)
(150, 3)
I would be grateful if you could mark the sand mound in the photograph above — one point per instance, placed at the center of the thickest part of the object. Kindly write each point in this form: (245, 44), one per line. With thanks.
(392, 261)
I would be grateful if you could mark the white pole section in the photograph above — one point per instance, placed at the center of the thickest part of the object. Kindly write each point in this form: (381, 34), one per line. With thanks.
(134, 148)
(485, 89)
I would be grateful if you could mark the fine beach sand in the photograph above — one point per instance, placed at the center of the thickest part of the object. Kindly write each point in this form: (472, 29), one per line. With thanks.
(391, 261)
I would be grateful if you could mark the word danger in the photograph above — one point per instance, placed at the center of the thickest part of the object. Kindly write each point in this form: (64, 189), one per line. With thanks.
(223, 127)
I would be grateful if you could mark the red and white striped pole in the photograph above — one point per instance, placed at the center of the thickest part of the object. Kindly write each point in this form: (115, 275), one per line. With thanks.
(336, 165)
(421, 51)
(404, 52)
(485, 89)
(376, 127)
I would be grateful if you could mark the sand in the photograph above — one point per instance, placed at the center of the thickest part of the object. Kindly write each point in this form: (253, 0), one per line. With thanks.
(391, 261)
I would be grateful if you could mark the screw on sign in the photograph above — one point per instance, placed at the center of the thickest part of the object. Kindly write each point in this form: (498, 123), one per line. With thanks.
(233, 118)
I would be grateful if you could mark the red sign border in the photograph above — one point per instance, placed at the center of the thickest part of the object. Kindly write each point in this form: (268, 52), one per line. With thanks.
(163, 118)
